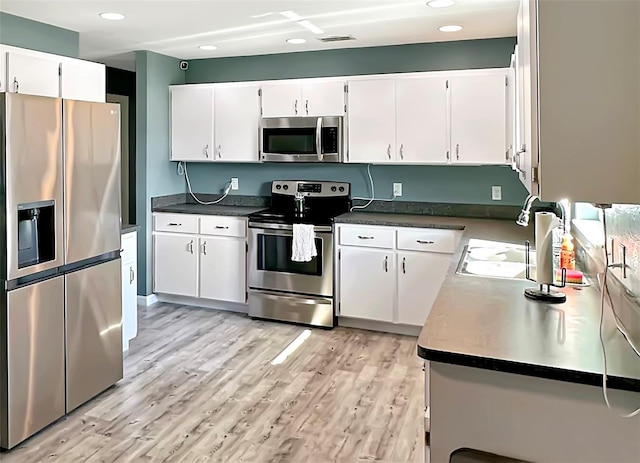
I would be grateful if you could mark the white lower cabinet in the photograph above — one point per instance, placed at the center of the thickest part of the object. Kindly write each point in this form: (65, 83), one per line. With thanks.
(420, 275)
(367, 283)
(223, 269)
(129, 289)
(395, 285)
(207, 260)
(175, 264)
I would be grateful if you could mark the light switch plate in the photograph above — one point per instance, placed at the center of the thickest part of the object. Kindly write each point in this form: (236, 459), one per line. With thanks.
(234, 183)
(397, 189)
(496, 193)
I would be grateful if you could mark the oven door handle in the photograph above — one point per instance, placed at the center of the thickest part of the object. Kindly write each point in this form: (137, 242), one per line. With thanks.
(286, 227)
(319, 140)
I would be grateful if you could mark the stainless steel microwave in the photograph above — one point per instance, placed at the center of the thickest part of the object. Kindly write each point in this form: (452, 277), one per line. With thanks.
(301, 139)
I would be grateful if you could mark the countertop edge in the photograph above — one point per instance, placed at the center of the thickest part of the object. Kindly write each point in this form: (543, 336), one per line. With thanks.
(526, 369)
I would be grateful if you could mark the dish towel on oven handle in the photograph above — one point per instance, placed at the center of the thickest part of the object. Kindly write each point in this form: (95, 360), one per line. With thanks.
(304, 243)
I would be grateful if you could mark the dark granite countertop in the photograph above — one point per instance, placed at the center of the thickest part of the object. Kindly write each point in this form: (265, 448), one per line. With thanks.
(128, 228)
(488, 323)
(189, 208)
(400, 220)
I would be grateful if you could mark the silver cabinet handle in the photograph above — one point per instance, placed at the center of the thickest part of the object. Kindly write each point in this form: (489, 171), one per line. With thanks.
(219, 151)
(204, 248)
(174, 224)
(389, 151)
(458, 152)
(221, 227)
(191, 247)
(131, 275)
(362, 237)
(306, 106)
(295, 107)
(401, 151)
(425, 242)
(448, 156)
(206, 150)
(16, 85)
(404, 265)
(623, 248)
(386, 263)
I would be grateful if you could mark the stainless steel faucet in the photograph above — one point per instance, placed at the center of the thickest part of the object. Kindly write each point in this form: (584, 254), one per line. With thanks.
(523, 218)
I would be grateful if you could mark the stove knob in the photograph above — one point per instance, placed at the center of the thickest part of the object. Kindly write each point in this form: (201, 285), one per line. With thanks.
(278, 187)
(333, 188)
(286, 187)
(341, 189)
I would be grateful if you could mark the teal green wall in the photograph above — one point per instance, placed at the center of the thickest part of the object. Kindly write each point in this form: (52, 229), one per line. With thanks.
(447, 184)
(156, 176)
(25, 33)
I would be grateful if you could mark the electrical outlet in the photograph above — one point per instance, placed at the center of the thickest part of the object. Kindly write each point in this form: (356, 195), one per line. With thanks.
(496, 193)
(234, 183)
(397, 189)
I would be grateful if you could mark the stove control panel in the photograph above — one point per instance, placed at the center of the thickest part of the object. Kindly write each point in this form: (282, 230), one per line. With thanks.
(310, 188)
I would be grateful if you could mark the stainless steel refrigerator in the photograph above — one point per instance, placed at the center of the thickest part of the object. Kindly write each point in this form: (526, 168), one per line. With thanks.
(61, 309)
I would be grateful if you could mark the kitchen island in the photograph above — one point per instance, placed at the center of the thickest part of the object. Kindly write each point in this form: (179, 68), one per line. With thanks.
(523, 379)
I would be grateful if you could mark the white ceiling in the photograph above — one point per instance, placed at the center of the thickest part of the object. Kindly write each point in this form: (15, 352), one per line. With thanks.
(252, 27)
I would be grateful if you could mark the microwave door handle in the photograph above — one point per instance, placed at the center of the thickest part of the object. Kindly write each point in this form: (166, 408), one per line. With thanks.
(319, 139)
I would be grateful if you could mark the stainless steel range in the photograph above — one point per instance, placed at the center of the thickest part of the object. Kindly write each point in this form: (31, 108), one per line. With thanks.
(279, 288)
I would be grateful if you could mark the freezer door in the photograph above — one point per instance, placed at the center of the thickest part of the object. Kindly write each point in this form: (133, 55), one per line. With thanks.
(35, 360)
(94, 331)
(92, 179)
(33, 157)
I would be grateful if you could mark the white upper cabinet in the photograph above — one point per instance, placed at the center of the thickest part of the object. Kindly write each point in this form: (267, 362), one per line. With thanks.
(282, 100)
(421, 121)
(372, 121)
(192, 124)
(323, 99)
(303, 98)
(479, 118)
(32, 75)
(237, 122)
(83, 80)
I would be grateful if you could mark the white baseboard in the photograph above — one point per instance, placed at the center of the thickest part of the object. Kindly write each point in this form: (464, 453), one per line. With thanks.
(205, 303)
(385, 327)
(147, 300)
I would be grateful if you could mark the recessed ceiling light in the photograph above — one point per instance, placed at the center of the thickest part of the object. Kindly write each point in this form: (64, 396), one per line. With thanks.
(441, 3)
(112, 16)
(296, 41)
(451, 28)
(208, 47)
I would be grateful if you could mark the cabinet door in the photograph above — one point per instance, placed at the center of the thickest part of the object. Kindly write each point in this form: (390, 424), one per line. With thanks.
(192, 124)
(420, 275)
(175, 265)
(83, 80)
(129, 303)
(3, 69)
(282, 100)
(478, 119)
(323, 99)
(421, 120)
(237, 121)
(372, 121)
(32, 76)
(223, 269)
(367, 284)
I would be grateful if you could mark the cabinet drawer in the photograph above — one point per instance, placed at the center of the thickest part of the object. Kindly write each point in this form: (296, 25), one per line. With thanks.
(367, 237)
(431, 240)
(177, 223)
(223, 226)
(128, 246)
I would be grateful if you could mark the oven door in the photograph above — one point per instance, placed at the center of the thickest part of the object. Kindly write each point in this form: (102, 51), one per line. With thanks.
(271, 267)
(301, 139)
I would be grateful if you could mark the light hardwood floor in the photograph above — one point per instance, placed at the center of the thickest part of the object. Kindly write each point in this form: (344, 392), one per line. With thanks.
(199, 386)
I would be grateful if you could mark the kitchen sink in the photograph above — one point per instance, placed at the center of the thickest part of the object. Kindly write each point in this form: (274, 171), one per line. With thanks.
(493, 259)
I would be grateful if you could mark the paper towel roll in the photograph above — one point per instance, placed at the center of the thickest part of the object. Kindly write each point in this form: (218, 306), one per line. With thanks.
(545, 223)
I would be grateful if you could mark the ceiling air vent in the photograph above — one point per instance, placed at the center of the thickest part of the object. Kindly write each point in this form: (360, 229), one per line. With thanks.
(336, 38)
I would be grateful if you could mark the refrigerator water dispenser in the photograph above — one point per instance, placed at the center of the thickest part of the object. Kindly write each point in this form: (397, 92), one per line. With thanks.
(36, 233)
